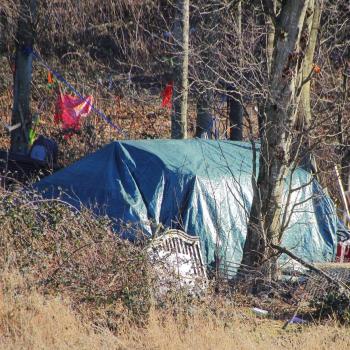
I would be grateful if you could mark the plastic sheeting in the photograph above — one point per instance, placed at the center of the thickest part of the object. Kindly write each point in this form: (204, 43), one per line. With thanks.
(200, 186)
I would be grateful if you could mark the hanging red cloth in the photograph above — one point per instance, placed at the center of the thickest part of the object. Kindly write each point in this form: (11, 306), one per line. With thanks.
(167, 95)
(69, 110)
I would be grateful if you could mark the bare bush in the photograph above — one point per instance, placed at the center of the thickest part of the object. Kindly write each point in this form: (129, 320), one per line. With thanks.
(61, 251)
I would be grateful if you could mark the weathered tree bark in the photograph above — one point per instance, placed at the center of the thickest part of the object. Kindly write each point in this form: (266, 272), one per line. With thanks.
(265, 222)
(180, 96)
(312, 24)
(308, 45)
(23, 76)
(270, 39)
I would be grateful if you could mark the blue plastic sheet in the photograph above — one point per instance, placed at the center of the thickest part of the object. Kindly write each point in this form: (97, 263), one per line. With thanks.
(200, 186)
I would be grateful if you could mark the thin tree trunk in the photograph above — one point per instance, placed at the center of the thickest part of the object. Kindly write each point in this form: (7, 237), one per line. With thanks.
(180, 96)
(239, 18)
(2, 30)
(205, 88)
(265, 225)
(345, 160)
(234, 100)
(23, 76)
(204, 118)
(270, 39)
(235, 111)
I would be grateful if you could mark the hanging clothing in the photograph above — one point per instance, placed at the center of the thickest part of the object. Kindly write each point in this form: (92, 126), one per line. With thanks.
(167, 95)
(69, 110)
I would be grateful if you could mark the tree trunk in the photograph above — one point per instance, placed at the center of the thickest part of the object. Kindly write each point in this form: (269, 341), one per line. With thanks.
(270, 39)
(235, 111)
(180, 96)
(234, 105)
(345, 160)
(265, 225)
(313, 24)
(303, 122)
(204, 127)
(205, 85)
(23, 76)
(2, 31)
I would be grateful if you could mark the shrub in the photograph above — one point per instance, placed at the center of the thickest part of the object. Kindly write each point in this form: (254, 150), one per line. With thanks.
(333, 304)
(61, 251)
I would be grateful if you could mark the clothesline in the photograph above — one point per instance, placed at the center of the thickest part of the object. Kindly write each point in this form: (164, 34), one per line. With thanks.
(77, 93)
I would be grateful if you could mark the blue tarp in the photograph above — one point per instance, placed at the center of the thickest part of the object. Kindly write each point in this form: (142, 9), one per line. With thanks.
(200, 186)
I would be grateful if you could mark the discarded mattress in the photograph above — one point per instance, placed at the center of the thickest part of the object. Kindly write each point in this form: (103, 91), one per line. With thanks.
(202, 187)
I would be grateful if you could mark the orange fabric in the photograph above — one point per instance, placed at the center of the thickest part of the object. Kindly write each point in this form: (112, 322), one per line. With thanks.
(317, 69)
(49, 78)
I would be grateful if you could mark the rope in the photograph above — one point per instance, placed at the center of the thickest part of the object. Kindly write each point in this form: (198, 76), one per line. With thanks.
(71, 87)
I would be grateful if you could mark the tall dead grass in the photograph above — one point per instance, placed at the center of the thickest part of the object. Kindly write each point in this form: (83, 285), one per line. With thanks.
(31, 320)
(67, 282)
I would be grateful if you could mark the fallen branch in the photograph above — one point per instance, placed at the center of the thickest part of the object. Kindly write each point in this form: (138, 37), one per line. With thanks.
(340, 285)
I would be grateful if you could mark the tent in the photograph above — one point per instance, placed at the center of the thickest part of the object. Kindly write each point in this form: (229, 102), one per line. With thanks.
(200, 186)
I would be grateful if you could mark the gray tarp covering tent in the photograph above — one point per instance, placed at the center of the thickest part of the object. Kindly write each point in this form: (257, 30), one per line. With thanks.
(200, 186)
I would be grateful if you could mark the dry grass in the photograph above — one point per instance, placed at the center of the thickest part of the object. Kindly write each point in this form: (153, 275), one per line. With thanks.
(67, 283)
(210, 333)
(29, 320)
